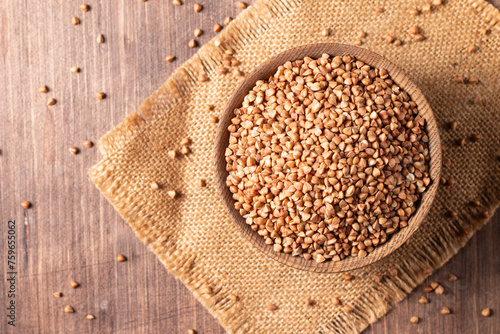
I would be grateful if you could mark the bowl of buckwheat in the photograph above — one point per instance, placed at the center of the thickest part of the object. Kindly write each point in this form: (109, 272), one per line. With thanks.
(327, 157)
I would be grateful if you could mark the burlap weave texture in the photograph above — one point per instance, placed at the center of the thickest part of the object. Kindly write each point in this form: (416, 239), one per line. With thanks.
(192, 234)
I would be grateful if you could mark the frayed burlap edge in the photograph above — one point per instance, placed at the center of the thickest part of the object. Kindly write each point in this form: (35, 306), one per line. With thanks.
(375, 302)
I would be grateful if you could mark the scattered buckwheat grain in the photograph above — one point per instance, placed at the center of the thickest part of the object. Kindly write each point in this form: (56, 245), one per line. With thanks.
(217, 27)
(238, 74)
(445, 310)
(100, 95)
(84, 7)
(475, 138)
(428, 289)
(472, 48)
(198, 32)
(473, 80)
(414, 30)
(100, 39)
(203, 77)
(348, 277)
(170, 58)
(171, 193)
(121, 258)
(26, 205)
(221, 70)
(335, 301)
(419, 37)
(172, 154)
(450, 182)
(58, 294)
(485, 31)
(75, 21)
(271, 307)
(192, 43)
(242, 5)
(197, 7)
(414, 320)
(348, 309)
(426, 8)
(43, 89)
(89, 317)
(74, 150)
(423, 300)
(452, 278)
(68, 309)
(476, 203)
(207, 290)
(51, 102)
(227, 20)
(486, 312)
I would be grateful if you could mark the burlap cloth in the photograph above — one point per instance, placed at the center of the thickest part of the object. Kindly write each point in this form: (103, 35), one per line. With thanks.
(192, 234)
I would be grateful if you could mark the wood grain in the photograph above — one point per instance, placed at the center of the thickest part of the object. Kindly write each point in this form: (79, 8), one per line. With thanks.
(263, 72)
(72, 233)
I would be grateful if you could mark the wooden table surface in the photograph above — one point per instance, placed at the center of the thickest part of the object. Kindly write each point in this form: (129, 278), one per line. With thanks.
(72, 233)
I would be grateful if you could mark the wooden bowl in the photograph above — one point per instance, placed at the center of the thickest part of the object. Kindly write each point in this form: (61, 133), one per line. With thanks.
(267, 69)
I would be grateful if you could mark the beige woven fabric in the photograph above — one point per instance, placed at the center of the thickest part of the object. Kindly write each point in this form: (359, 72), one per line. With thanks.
(192, 234)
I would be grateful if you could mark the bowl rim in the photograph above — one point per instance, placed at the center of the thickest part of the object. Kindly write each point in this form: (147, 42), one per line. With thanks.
(263, 71)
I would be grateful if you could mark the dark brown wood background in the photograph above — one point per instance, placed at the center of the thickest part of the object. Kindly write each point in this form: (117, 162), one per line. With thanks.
(72, 233)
